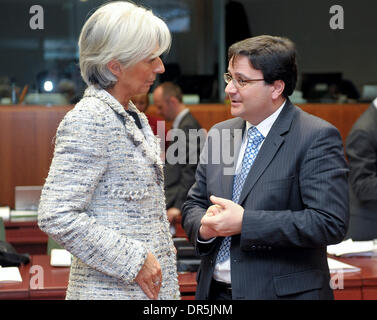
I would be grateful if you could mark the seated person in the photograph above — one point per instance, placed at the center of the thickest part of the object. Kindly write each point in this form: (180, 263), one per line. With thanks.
(141, 101)
(179, 177)
(361, 150)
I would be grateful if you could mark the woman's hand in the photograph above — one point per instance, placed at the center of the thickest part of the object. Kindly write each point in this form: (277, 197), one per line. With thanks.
(149, 277)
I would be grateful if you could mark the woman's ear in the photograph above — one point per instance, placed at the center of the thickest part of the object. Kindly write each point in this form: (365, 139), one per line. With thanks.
(278, 88)
(114, 67)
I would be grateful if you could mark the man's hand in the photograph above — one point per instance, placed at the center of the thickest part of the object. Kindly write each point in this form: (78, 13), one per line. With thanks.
(206, 233)
(224, 222)
(213, 210)
(149, 277)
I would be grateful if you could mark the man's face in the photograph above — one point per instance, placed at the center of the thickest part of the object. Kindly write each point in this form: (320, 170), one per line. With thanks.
(253, 101)
(162, 104)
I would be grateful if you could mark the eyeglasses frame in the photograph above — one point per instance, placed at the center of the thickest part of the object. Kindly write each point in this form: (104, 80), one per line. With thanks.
(227, 76)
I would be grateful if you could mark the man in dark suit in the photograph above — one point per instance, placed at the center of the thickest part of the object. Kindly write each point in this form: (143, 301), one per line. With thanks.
(361, 150)
(271, 186)
(183, 152)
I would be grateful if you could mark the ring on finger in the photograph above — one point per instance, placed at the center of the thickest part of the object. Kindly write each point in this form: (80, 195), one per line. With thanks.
(156, 283)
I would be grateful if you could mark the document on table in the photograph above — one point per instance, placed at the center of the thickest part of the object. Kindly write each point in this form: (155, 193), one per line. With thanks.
(23, 215)
(5, 213)
(10, 275)
(337, 266)
(350, 248)
(60, 258)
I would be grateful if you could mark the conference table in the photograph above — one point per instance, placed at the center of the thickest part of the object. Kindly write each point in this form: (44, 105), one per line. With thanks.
(360, 285)
(42, 281)
(56, 281)
(17, 291)
(26, 237)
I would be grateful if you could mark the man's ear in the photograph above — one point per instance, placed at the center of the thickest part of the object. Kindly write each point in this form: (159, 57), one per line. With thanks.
(173, 101)
(114, 67)
(277, 88)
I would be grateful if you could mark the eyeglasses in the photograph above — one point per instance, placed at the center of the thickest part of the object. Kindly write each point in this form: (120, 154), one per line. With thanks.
(238, 83)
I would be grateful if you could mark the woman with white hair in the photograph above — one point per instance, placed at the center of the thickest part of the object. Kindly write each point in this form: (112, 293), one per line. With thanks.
(103, 199)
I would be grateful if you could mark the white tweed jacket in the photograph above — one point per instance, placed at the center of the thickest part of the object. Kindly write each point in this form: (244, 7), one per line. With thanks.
(104, 201)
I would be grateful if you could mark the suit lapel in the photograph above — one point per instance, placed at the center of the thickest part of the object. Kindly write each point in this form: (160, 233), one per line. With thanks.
(374, 110)
(270, 147)
(231, 144)
(186, 117)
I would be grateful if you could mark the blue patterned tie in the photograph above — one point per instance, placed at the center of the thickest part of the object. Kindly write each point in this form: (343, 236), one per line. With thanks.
(254, 140)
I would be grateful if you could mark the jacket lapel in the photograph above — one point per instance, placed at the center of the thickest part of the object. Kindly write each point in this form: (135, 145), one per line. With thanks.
(231, 145)
(143, 139)
(270, 147)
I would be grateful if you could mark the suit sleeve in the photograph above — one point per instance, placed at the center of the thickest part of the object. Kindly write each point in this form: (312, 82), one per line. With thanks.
(188, 169)
(362, 157)
(322, 179)
(80, 159)
(196, 206)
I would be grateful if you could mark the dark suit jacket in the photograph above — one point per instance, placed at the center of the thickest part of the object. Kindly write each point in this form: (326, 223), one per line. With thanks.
(296, 203)
(180, 177)
(361, 150)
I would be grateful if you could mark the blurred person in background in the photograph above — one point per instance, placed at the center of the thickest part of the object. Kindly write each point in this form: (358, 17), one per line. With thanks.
(361, 151)
(179, 177)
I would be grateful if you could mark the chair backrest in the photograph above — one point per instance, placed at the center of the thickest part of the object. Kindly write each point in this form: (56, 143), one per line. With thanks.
(52, 244)
(2, 230)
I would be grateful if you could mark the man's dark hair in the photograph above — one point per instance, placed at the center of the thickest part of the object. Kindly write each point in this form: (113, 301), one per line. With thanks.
(274, 56)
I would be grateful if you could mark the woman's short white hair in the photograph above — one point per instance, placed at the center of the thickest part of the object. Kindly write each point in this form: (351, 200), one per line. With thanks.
(121, 31)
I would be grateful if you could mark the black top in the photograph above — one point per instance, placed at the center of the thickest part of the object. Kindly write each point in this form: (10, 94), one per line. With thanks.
(136, 117)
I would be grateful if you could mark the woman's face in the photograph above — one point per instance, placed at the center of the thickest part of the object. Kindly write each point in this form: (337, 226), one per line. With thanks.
(138, 78)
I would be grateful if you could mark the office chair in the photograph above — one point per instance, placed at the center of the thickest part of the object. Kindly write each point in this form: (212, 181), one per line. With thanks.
(2, 230)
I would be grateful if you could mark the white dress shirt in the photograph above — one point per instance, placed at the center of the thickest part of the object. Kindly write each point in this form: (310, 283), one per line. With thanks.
(222, 270)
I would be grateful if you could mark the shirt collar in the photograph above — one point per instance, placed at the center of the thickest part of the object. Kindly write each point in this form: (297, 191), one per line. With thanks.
(179, 117)
(265, 126)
